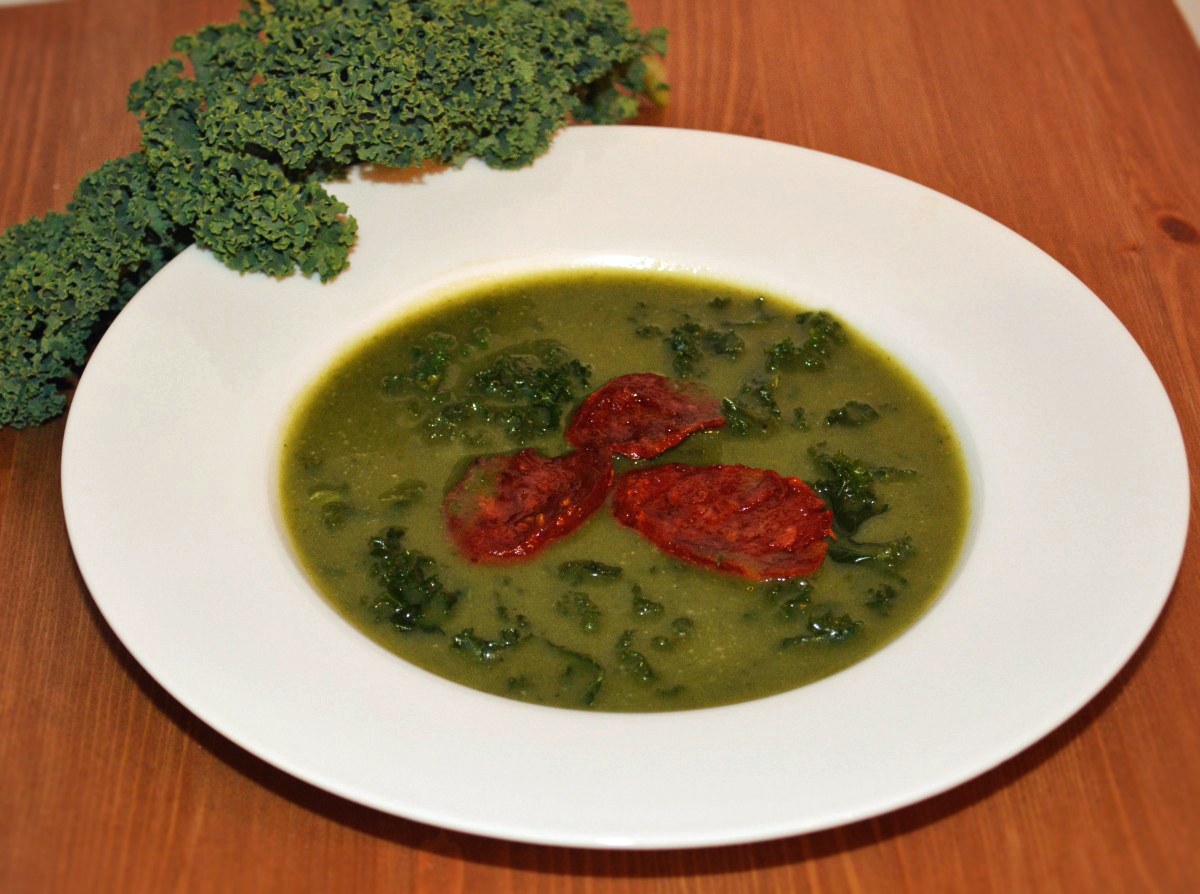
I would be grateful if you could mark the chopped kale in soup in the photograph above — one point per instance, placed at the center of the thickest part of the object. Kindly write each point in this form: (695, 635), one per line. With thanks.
(624, 490)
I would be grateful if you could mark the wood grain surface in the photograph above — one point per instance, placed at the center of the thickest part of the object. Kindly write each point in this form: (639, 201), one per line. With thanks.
(1074, 122)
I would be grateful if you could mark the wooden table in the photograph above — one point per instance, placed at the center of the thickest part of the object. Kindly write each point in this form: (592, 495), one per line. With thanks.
(1075, 122)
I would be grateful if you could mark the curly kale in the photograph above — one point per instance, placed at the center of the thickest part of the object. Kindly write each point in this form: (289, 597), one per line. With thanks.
(429, 361)
(790, 597)
(64, 276)
(754, 410)
(582, 571)
(852, 414)
(295, 91)
(412, 594)
(880, 599)
(581, 678)
(823, 333)
(886, 557)
(533, 386)
(632, 662)
(825, 628)
(241, 128)
(580, 607)
(644, 607)
(522, 392)
(485, 650)
(690, 342)
(848, 486)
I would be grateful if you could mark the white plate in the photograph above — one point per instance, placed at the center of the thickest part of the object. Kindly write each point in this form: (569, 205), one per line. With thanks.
(1079, 476)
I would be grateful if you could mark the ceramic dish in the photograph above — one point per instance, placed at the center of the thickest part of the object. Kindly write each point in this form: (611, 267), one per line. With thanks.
(1080, 498)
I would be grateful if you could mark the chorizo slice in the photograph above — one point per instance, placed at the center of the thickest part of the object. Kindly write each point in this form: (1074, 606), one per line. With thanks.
(508, 507)
(641, 415)
(750, 522)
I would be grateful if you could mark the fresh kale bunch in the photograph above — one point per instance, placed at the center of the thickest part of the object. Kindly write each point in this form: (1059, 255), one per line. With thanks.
(64, 276)
(242, 127)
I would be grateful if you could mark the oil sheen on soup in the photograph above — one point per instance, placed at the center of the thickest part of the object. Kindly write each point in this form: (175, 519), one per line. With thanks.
(394, 451)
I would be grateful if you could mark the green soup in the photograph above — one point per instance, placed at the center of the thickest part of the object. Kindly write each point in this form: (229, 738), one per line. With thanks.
(602, 619)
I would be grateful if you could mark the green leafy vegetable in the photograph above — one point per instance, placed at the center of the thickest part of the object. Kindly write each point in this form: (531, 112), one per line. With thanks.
(429, 361)
(336, 513)
(690, 342)
(413, 594)
(580, 607)
(683, 627)
(644, 607)
(240, 129)
(632, 662)
(64, 277)
(521, 392)
(485, 650)
(581, 670)
(332, 506)
(581, 571)
(823, 332)
(881, 598)
(790, 598)
(529, 659)
(848, 487)
(825, 628)
(853, 414)
(754, 410)
(886, 556)
(530, 390)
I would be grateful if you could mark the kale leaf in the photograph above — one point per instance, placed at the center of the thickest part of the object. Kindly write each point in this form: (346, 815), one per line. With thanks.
(522, 392)
(580, 607)
(581, 571)
(825, 628)
(581, 670)
(690, 342)
(64, 277)
(852, 414)
(848, 487)
(485, 650)
(429, 361)
(241, 128)
(529, 390)
(643, 606)
(412, 593)
(822, 333)
(790, 597)
(754, 410)
(880, 599)
(632, 662)
(886, 557)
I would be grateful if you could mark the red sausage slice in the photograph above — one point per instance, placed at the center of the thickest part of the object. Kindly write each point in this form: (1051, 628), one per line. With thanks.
(750, 522)
(507, 507)
(641, 415)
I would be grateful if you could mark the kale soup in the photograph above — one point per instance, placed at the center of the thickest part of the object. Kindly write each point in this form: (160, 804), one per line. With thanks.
(624, 490)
